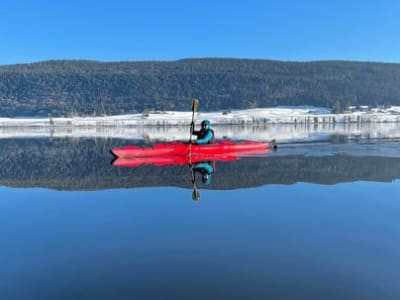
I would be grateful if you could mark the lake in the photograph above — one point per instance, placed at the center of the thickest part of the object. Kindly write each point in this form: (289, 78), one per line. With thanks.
(316, 219)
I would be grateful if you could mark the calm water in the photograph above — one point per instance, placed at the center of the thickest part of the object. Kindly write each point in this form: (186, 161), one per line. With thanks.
(311, 221)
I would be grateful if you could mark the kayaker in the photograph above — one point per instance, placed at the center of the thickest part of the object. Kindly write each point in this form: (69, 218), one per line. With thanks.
(205, 135)
(205, 169)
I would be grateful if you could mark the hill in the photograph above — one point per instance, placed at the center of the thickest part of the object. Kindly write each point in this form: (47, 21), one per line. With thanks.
(65, 88)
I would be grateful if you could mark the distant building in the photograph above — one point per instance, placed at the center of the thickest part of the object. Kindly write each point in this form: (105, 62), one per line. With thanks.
(379, 109)
(364, 108)
(351, 108)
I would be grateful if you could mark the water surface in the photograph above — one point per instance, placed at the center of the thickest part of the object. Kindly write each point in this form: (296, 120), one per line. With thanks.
(311, 221)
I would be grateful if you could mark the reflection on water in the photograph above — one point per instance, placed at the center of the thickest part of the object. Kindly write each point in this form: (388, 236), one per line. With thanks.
(85, 164)
(201, 159)
(315, 220)
(280, 132)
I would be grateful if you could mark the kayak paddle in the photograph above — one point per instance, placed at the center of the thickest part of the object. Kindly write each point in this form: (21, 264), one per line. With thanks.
(195, 108)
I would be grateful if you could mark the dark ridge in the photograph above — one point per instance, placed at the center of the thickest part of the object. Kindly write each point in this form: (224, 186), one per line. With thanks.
(84, 87)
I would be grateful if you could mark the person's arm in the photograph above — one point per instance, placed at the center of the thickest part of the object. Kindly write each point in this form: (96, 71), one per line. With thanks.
(205, 166)
(194, 132)
(206, 139)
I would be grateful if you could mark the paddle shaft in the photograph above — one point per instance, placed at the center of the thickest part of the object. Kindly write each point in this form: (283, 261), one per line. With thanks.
(195, 107)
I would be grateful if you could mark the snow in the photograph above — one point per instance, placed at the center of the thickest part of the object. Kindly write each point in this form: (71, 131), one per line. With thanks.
(280, 123)
(280, 132)
(277, 115)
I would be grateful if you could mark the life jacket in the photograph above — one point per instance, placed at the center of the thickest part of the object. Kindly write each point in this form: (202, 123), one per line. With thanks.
(202, 133)
(204, 168)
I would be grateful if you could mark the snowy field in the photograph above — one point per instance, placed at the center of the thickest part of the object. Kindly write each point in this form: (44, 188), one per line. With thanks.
(282, 124)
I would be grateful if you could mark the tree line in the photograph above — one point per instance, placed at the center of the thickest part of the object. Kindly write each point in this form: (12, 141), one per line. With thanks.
(65, 88)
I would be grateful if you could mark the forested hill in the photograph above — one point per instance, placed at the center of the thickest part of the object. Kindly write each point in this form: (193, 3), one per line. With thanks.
(65, 88)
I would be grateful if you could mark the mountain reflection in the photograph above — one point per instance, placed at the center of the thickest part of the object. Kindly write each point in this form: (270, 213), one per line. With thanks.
(85, 164)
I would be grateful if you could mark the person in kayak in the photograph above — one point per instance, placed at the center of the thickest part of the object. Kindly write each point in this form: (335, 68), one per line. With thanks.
(205, 169)
(205, 135)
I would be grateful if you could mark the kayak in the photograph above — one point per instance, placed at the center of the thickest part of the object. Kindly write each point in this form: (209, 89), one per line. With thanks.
(171, 160)
(181, 153)
(179, 149)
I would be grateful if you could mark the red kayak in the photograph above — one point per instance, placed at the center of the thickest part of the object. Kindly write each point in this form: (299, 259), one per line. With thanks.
(181, 153)
(191, 149)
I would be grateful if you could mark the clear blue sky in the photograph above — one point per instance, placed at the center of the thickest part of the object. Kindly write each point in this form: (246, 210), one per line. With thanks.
(169, 30)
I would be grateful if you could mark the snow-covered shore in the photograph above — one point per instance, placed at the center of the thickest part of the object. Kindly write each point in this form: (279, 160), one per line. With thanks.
(282, 124)
(280, 115)
(280, 132)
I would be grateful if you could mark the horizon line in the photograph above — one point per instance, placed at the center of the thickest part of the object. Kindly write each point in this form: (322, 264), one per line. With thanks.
(191, 58)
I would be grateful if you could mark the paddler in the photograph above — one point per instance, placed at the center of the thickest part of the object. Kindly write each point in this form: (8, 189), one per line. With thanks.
(205, 135)
(205, 169)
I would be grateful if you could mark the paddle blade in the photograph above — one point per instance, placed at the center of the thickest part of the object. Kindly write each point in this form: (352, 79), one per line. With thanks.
(195, 105)
(195, 195)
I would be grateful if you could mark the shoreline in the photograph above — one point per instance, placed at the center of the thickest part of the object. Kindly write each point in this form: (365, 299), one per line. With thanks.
(279, 132)
(257, 116)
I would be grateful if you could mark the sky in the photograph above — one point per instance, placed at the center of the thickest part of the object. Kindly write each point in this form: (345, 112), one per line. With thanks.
(122, 30)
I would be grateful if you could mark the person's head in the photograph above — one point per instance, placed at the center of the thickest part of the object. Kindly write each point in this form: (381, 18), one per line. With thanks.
(205, 124)
(206, 179)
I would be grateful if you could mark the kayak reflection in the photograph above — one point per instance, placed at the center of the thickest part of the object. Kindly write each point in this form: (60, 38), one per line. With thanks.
(200, 158)
(205, 169)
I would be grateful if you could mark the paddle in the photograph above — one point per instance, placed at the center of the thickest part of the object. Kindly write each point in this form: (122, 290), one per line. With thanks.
(195, 108)
(196, 195)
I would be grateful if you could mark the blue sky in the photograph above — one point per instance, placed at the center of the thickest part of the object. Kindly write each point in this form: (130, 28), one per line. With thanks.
(169, 30)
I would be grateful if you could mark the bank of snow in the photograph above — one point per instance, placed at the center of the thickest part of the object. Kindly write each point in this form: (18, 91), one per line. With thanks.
(279, 115)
